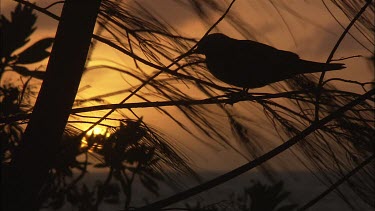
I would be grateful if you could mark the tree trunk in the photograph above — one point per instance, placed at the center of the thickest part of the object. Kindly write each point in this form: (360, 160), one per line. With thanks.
(32, 162)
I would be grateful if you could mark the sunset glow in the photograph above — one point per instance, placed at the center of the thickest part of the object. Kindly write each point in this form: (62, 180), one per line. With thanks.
(96, 131)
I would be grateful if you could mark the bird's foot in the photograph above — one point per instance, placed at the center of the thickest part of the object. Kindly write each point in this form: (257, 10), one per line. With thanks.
(235, 97)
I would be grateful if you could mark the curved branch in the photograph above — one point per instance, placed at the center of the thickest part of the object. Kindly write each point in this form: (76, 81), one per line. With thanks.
(258, 161)
(346, 31)
(337, 183)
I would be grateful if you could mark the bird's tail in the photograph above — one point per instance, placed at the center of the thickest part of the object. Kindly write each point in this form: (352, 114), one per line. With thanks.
(312, 67)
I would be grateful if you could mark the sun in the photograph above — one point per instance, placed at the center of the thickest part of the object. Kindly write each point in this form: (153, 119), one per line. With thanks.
(97, 130)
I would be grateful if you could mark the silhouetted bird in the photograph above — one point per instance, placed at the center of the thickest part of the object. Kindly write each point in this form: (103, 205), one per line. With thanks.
(250, 64)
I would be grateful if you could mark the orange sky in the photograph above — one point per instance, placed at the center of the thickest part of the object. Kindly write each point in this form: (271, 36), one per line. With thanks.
(314, 34)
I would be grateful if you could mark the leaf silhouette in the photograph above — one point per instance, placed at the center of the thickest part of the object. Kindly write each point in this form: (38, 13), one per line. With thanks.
(16, 31)
(26, 72)
(36, 52)
(268, 197)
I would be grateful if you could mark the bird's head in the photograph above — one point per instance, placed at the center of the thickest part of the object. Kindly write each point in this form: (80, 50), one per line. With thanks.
(211, 43)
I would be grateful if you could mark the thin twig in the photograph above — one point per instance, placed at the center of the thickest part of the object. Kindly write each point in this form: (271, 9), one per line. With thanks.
(53, 4)
(213, 100)
(346, 31)
(40, 9)
(345, 58)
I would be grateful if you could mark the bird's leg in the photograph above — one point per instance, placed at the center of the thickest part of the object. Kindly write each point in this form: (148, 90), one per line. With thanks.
(238, 96)
(244, 93)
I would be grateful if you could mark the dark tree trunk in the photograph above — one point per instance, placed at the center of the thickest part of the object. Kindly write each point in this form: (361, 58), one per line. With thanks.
(32, 162)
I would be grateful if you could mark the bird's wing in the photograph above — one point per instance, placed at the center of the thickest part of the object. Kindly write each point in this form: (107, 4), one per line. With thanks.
(265, 52)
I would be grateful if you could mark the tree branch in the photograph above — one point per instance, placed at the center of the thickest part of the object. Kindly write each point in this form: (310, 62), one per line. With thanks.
(258, 161)
(346, 31)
